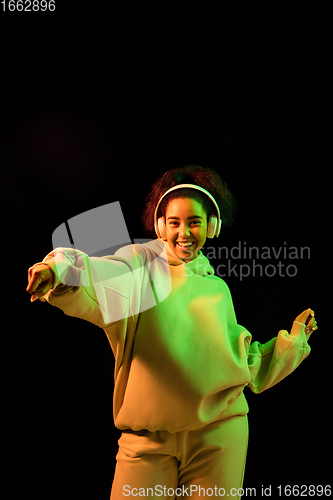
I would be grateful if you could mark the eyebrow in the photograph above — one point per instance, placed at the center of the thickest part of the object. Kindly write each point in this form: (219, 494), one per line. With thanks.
(192, 217)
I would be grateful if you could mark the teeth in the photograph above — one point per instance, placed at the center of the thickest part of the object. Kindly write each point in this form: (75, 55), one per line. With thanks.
(185, 244)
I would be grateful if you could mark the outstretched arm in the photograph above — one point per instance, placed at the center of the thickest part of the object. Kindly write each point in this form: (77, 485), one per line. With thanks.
(271, 362)
(96, 289)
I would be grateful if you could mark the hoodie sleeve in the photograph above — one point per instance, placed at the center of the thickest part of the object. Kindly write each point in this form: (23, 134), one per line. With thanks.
(96, 289)
(271, 362)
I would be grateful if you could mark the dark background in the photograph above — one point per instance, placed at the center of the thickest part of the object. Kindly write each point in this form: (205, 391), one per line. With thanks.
(58, 436)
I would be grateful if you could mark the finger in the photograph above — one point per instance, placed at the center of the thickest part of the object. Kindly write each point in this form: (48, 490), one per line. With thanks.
(34, 297)
(31, 285)
(41, 291)
(31, 277)
(35, 272)
(34, 283)
(302, 318)
(312, 326)
(38, 295)
(36, 289)
(311, 323)
(311, 315)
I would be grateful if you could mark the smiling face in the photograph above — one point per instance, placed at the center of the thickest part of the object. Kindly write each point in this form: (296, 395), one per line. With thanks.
(186, 227)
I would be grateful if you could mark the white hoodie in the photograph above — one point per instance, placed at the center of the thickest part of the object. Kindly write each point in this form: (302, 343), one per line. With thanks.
(181, 359)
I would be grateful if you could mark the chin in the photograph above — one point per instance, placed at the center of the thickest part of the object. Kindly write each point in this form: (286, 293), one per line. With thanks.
(185, 254)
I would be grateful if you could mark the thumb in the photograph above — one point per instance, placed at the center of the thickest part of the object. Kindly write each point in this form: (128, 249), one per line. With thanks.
(38, 295)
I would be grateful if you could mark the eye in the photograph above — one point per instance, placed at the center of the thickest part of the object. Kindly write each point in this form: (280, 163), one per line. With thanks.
(175, 223)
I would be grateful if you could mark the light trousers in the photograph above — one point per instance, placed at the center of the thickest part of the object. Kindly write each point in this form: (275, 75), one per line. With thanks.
(208, 462)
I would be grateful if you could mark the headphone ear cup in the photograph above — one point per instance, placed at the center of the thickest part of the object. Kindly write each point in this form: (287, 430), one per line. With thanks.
(161, 228)
(211, 229)
(219, 228)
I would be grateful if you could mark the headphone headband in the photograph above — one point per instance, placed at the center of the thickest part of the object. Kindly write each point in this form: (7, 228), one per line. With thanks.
(198, 188)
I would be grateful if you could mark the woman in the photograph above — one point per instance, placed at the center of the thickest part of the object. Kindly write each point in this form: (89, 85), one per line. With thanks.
(181, 359)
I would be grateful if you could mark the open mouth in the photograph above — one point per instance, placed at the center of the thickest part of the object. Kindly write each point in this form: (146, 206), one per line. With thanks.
(185, 246)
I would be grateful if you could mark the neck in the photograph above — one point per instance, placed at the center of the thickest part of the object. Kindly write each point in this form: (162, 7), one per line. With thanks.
(172, 256)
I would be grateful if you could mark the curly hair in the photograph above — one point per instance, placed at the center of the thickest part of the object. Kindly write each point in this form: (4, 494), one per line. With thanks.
(189, 174)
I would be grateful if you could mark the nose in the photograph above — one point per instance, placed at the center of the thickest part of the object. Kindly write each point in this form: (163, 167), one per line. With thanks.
(184, 230)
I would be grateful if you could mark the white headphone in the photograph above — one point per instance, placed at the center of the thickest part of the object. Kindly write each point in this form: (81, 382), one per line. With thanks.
(214, 223)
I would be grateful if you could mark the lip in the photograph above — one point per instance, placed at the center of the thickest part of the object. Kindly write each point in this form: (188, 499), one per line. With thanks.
(188, 244)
